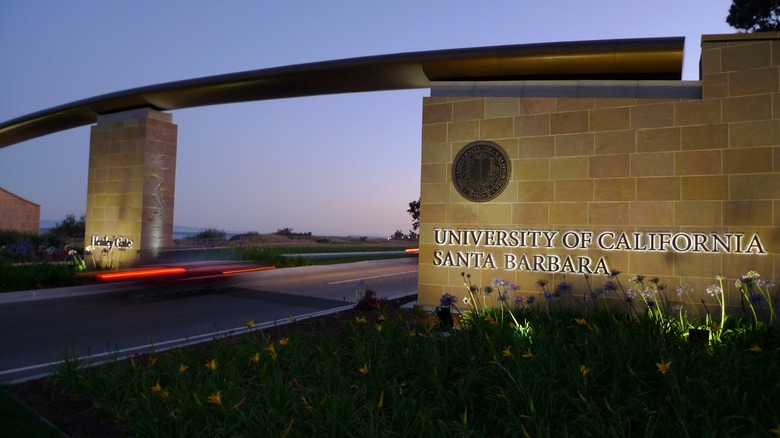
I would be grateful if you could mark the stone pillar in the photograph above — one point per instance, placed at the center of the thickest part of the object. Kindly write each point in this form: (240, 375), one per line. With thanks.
(132, 173)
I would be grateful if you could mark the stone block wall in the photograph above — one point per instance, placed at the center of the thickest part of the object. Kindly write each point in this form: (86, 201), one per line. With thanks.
(18, 214)
(130, 193)
(594, 166)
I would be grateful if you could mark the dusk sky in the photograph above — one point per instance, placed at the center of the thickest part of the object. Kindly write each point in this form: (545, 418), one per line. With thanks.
(332, 165)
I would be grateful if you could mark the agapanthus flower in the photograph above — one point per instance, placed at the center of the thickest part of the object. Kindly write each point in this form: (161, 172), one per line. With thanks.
(498, 282)
(530, 300)
(594, 294)
(547, 295)
(488, 290)
(448, 300)
(609, 286)
(756, 298)
(681, 289)
(517, 300)
(511, 287)
(563, 288)
(647, 293)
(614, 273)
(630, 294)
(714, 289)
(541, 282)
(502, 297)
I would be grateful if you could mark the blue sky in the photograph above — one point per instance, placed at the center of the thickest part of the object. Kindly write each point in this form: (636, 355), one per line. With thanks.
(333, 165)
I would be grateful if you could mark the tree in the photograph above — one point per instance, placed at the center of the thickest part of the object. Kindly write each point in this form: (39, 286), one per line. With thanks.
(70, 227)
(754, 15)
(414, 210)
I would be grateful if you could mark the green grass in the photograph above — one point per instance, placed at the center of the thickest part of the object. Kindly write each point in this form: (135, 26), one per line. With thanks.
(16, 277)
(18, 421)
(557, 374)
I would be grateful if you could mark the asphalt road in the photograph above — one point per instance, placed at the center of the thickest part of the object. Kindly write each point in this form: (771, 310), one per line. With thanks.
(94, 322)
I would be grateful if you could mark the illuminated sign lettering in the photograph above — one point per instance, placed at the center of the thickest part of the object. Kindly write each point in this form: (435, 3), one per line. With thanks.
(653, 241)
(110, 243)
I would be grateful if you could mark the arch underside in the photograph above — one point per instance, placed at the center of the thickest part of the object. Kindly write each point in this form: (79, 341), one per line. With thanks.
(651, 59)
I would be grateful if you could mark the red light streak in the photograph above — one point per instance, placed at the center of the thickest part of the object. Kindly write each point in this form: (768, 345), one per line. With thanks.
(240, 271)
(139, 273)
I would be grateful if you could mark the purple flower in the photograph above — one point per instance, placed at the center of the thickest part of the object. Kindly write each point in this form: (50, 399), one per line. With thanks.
(488, 290)
(547, 295)
(498, 282)
(563, 288)
(448, 300)
(756, 298)
(714, 289)
(511, 287)
(518, 300)
(594, 294)
(530, 300)
(609, 286)
(541, 282)
(630, 294)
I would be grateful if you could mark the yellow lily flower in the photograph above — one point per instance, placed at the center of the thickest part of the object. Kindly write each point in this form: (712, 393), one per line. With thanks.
(581, 321)
(250, 323)
(360, 319)
(379, 327)
(756, 349)
(584, 370)
(664, 367)
(156, 387)
(271, 350)
(237, 405)
(183, 368)
(364, 369)
(255, 357)
(284, 341)
(507, 352)
(212, 365)
(528, 354)
(382, 318)
(291, 319)
(216, 398)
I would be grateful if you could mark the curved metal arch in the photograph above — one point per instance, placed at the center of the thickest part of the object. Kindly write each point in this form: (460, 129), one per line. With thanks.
(626, 59)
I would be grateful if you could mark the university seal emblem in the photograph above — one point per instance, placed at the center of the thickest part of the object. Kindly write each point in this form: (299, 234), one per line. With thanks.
(481, 171)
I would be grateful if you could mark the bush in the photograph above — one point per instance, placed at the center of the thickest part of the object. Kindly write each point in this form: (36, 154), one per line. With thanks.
(211, 233)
